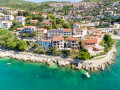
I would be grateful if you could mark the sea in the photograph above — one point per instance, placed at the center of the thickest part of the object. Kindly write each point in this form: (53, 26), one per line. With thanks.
(39, 76)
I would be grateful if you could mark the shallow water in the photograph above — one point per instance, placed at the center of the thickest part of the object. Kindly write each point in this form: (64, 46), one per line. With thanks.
(35, 76)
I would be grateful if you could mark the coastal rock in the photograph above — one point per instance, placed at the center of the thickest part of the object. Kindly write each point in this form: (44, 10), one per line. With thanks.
(63, 63)
(73, 66)
(79, 66)
(49, 62)
(90, 65)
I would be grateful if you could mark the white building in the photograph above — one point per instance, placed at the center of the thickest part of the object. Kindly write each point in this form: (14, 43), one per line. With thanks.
(58, 42)
(20, 22)
(76, 25)
(20, 18)
(9, 17)
(5, 24)
(116, 25)
(67, 32)
(80, 33)
(29, 29)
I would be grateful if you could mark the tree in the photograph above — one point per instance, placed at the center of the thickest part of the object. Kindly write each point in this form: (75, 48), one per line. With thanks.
(108, 42)
(66, 25)
(11, 43)
(108, 39)
(24, 35)
(59, 21)
(40, 18)
(35, 45)
(39, 24)
(32, 34)
(115, 32)
(4, 36)
(102, 43)
(40, 50)
(22, 45)
(14, 26)
(54, 25)
(106, 49)
(84, 55)
(51, 16)
(68, 52)
(14, 23)
(48, 27)
(54, 51)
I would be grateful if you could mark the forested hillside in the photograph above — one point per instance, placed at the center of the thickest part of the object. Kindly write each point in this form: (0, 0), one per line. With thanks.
(21, 4)
(102, 0)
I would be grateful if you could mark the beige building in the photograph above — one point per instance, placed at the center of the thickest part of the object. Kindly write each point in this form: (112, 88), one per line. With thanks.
(41, 32)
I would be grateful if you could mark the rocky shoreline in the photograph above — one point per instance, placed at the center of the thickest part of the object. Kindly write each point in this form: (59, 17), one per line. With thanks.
(90, 65)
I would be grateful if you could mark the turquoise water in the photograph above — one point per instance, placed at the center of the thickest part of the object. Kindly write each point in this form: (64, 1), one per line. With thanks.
(35, 76)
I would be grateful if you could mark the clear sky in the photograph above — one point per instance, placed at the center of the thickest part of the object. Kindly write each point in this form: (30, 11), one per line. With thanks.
(52, 0)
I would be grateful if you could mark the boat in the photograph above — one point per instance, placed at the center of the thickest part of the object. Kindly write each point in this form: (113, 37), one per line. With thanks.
(8, 63)
(87, 74)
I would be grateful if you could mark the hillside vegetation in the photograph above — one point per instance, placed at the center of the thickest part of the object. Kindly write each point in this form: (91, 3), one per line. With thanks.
(21, 4)
(102, 0)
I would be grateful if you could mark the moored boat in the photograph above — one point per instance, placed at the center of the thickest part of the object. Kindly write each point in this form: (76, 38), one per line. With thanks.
(8, 63)
(87, 74)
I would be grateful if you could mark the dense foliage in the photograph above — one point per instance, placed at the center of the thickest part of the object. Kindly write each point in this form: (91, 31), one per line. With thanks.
(40, 50)
(54, 51)
(84, 55)
(107, 42)
(9, 40)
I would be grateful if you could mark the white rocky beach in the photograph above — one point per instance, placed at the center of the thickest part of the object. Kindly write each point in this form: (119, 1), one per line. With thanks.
(90, 65)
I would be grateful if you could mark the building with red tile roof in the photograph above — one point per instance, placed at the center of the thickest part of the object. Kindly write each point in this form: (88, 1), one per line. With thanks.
(41, 32)
(45, 43)
(80, 33)
(47, 23)
(67, 32)
(72, 43)
(58, 42)
(88, 43)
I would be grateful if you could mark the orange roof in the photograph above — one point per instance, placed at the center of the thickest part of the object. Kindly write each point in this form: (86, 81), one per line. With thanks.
(57, 38)
(45, 40)
(6, 22)
(46, 21)
(19, 16)
(29, 26)
(41, 29)
(89, 41)
(72, 39)
(67, 30)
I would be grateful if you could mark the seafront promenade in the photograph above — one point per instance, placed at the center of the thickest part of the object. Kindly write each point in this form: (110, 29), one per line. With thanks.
(91, 65)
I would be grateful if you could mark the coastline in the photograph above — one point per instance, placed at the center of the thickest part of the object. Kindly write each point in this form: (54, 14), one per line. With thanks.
(90, 65)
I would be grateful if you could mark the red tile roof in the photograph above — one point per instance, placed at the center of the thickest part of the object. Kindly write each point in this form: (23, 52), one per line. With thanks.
(57, 38)
(41, 29)
(89, 41)
(67, 30)
(72, 39)
(45, 40)
(19, 16)
(29, 26)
